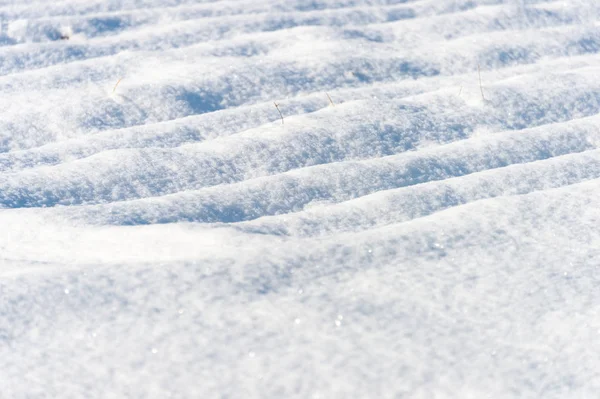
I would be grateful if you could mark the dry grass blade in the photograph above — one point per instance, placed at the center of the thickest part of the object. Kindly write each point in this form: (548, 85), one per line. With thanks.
(280, 114)
(330, 100)
(116, 85)
(480, 85)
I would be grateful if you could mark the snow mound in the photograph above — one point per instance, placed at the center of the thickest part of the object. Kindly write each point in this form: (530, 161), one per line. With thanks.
(292, 199)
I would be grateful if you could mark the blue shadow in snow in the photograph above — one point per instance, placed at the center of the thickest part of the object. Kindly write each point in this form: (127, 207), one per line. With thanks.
(108, 24)
(200, 103)
(316, 5)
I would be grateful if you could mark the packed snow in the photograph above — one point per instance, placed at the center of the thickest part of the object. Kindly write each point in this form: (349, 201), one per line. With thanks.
(299, 199)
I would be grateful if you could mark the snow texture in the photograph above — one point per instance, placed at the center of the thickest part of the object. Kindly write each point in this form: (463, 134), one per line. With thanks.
(400, 231)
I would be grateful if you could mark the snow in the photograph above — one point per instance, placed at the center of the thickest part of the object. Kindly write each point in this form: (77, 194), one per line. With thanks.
(418, 236)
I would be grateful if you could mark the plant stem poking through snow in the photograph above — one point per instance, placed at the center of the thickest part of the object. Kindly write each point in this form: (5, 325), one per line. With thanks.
(330, 100)
(116, 85)
(460, 91)
(480, 86)
(280, 114)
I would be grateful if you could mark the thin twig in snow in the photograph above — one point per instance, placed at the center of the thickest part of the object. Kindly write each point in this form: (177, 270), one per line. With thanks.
(480, 85)
(330, 100)
(117, 84)
(280, 114)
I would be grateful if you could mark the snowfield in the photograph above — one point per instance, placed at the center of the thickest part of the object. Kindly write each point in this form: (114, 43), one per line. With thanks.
(399, 231)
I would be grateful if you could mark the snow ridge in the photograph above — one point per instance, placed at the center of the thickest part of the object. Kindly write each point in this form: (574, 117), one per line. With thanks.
(416, 236)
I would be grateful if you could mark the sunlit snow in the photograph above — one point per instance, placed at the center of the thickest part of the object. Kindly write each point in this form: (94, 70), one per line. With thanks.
(299, 199)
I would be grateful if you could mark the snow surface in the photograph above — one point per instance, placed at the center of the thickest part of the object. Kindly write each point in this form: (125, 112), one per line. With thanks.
(170, 237)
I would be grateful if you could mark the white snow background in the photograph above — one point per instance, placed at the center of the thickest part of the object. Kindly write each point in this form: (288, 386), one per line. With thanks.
(424, 237)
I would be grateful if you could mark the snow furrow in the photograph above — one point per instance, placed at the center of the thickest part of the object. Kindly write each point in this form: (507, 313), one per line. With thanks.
(337, 182)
